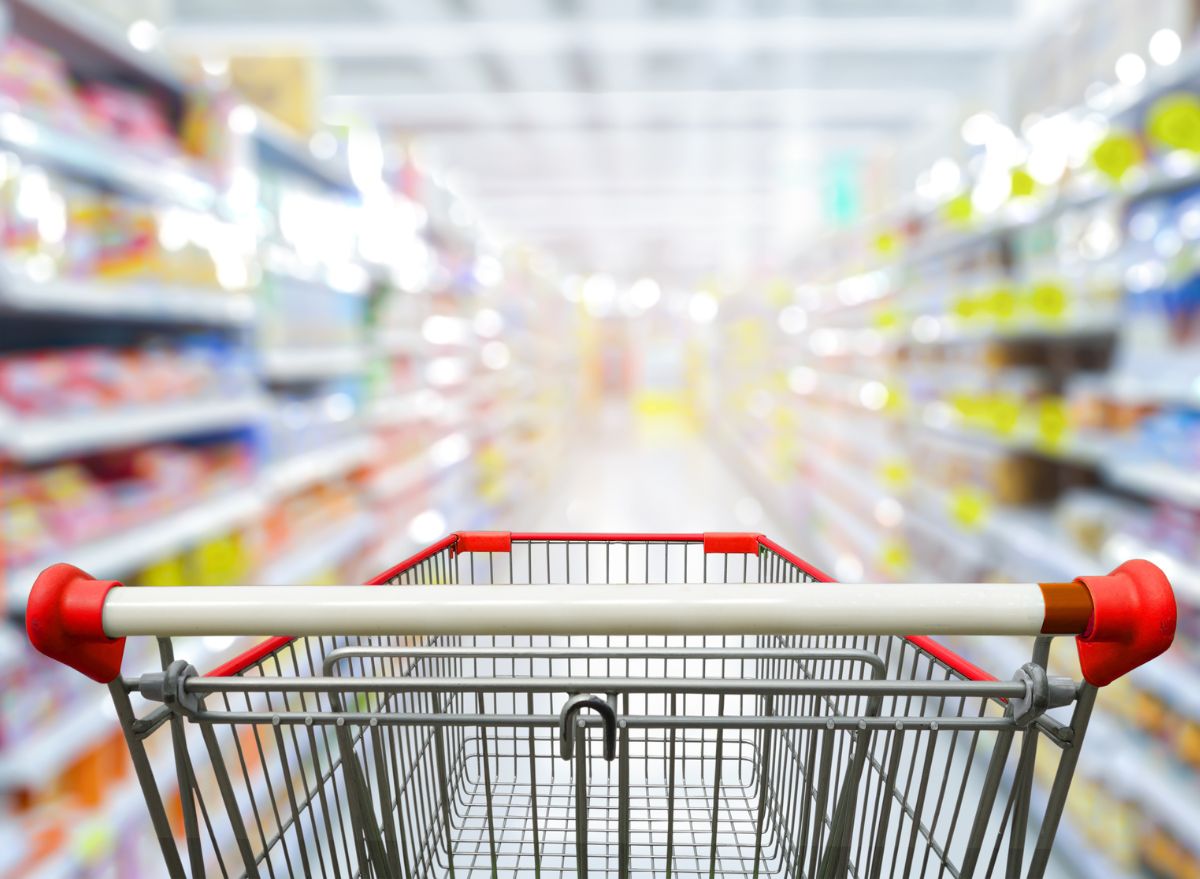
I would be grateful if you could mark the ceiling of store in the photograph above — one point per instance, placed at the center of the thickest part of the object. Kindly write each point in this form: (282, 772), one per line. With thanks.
(678, 138)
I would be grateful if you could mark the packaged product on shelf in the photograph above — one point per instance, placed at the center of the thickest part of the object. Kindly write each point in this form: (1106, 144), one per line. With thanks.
(36, 80)
(34, 694)
(1159, 342)
(63, 382)
(221, 561)
(302, 516)
(1163, 856)
(1091, 517)
(60, 506)
(138, 120)
(1008, 478)
(300, 422)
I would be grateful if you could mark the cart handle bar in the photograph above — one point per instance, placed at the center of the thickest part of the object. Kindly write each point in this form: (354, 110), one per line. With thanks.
(1121, 620)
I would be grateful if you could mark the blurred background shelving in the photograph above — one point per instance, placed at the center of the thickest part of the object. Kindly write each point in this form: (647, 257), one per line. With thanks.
(212, 374)
(996, 380)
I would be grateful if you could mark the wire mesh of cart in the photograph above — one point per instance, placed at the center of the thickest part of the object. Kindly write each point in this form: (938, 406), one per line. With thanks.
(603, 705)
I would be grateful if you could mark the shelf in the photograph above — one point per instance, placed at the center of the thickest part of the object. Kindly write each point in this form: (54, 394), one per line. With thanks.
(1153, 782)
(298, 472)
(317, 553)
(1085, 450)
(398, 341)
(145, 301)
(44, 438)
(279, 146)
(1158, 481)
(311, 364)
(143, 544)
(95, 37)
(398, 478)
(1184, 577)
(41, 755)
(285, 264)
(98, 158)
(44, 754)
(1175, 680)
(1028, 533)
(1099, 323)
(397, 409)
(390, 554)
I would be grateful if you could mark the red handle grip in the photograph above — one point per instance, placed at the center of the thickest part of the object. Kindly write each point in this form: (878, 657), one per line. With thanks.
(1133, 621)
(64, 619)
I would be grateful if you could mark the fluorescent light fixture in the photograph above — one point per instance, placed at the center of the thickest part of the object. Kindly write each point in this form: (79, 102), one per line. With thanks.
(1130, 68)
(1165, 47)
(243, 119)
(142, 34)
(703, 307)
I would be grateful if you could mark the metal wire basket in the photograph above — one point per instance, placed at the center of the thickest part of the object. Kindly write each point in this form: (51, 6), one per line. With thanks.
(601, 705)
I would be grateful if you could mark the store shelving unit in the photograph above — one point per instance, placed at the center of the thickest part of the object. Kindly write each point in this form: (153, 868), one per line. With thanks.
(98, 158)
(115, 301)
(914, 438)
(129, 551)
(377, 457)
(42, 438)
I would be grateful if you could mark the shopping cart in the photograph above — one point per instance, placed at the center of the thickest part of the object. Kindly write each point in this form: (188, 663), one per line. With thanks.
(603, 705)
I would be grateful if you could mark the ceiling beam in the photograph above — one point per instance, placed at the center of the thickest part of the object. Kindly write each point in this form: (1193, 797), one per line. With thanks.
(917, 34)
(574, 108)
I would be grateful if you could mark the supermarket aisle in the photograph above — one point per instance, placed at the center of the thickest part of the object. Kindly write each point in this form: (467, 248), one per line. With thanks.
(634, 473)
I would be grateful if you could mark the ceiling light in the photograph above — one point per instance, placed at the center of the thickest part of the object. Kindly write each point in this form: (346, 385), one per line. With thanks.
(793, 320)
(599, 295)
(644, 293)
(495, 355)
(888, 512)
(802, 379)
(427, 527)
(873, 395)
(1130, 68)
(976, 128)
(488, 271)
(1165, 47)
(703, 307)
(488, 323)
(215, 66)
(143, 35)
(243, 119)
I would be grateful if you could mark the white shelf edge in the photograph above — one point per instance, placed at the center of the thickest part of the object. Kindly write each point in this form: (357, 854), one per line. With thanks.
(100, 157)
(317, 552)
(41, 755)
(43, 438)
(1161, 481)
(308, 468)
(301, 364)
(140, 545)
(147, 300)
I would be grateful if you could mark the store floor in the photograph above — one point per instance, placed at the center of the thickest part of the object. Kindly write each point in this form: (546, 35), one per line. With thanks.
(634, 473)
(631, 473)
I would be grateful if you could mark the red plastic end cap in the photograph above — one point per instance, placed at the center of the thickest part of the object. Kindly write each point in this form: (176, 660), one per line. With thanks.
(483, 541)
(64, 621)
(734, 542)
(1133, 621)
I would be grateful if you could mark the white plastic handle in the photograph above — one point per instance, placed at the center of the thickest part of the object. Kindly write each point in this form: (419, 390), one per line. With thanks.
(672, 609)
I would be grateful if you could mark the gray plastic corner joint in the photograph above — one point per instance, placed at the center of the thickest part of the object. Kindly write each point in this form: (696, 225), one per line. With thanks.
(167, 686)
(1042, 691)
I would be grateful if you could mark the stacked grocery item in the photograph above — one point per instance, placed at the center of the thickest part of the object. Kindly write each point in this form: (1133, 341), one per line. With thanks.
(53, 509)
(56, 226)
(39, 83)
(77, 381)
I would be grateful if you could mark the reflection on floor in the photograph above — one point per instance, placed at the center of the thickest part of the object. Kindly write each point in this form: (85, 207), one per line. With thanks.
(629, 473)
